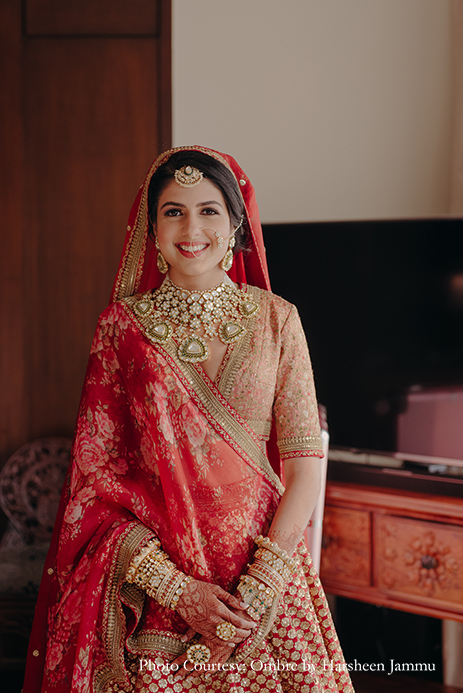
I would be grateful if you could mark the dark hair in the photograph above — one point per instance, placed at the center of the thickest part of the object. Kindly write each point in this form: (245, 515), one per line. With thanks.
(217, 173)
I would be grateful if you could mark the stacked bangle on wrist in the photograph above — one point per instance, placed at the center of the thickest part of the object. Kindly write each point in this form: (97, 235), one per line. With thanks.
(266, 576)
(280, 556)
(152, 571)
(256, 595)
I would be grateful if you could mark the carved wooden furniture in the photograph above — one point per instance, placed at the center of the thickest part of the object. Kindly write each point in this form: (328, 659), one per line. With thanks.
(30, 487)
(394, 548)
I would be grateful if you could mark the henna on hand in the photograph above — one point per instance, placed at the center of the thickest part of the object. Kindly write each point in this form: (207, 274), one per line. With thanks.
(203, 606)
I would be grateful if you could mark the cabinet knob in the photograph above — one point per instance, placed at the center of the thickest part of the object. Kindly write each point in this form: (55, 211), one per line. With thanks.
(428, 562)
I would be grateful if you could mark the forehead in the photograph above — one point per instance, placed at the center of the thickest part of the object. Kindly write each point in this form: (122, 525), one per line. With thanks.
(205, 191)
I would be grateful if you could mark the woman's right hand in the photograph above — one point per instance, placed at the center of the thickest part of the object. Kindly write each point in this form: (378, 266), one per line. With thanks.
(203, 606)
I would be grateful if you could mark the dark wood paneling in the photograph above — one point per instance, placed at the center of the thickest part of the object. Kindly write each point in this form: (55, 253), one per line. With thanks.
(90, 17)
(82, 119)
(12, 400)
(92, 133)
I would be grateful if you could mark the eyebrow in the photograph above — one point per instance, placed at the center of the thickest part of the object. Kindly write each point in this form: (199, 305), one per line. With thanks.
(200, 204)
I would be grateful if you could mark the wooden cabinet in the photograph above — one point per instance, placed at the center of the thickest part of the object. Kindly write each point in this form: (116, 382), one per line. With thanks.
(394, 548)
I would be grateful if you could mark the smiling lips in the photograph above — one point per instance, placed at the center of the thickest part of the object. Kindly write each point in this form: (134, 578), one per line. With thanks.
(189, 250)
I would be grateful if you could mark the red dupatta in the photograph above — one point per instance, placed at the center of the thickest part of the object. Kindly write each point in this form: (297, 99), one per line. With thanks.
(154, 452)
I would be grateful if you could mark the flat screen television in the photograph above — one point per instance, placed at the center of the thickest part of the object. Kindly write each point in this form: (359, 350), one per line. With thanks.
(382, 306)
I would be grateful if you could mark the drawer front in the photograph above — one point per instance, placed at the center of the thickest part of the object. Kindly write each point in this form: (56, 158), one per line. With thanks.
(419, 560)
(346, 553)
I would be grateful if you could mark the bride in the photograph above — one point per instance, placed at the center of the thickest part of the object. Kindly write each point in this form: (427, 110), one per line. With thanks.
(177, 562)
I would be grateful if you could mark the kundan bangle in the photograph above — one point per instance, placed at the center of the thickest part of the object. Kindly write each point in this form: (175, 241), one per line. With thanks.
(139, 558)
(280, 554)
(266, 576)
(256, 595)
(152, 571)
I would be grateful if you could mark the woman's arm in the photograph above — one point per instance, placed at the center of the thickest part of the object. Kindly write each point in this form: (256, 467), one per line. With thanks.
(297, 503)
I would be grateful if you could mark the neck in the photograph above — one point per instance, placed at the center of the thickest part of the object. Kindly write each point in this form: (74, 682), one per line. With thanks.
(198, 282)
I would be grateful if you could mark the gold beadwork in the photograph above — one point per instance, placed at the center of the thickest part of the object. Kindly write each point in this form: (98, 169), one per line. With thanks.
(188, 176)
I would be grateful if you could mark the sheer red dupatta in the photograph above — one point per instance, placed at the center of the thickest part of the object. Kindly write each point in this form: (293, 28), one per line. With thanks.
(137, 272)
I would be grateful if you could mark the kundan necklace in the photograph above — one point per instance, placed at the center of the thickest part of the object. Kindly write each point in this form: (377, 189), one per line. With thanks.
(218, 312)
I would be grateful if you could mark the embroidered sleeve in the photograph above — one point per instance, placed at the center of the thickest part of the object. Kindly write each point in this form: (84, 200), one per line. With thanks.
(295, 407)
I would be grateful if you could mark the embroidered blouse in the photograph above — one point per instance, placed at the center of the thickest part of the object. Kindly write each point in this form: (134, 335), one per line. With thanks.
(268, 375)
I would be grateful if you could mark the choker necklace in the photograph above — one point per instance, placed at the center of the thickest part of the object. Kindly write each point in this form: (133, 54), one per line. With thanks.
(217, 311)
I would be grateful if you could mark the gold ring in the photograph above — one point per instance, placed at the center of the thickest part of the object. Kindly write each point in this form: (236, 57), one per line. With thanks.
(198, 654)
(225, 630)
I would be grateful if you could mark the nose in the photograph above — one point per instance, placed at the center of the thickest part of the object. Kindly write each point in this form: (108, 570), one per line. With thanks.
(191, 226)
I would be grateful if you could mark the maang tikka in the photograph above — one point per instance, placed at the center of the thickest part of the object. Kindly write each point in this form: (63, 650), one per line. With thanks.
(163, 267)
(188, 176)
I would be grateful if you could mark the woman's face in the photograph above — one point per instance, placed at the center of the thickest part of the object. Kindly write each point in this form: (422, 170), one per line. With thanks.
(188, 224)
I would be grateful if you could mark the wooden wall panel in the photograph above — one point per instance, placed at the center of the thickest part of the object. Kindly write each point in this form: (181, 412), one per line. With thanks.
(92, 133)
(89, 17)
(13, 419)
(86, 117)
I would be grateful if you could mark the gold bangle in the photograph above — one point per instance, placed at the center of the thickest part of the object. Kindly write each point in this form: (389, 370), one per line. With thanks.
(272, 546)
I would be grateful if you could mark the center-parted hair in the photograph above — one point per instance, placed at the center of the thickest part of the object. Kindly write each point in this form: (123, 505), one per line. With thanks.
(214, 171)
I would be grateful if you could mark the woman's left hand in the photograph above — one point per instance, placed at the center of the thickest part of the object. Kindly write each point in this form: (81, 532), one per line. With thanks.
(204, 606)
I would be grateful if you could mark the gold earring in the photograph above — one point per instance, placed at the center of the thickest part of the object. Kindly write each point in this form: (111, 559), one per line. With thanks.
(163, 267)
(227, 260)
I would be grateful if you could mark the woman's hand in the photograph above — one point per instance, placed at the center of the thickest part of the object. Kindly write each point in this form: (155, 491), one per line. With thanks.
(203, 606)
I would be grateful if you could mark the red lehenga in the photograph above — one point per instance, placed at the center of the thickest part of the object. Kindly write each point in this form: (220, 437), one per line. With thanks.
(161, 449)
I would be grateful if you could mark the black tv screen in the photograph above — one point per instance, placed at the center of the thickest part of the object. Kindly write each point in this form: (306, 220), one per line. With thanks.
(382, 306)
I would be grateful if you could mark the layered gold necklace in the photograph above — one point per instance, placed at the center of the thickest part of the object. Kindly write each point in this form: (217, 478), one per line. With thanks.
(179, 313)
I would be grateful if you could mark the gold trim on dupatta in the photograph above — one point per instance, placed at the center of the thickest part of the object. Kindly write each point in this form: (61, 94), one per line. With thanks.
(114, 620)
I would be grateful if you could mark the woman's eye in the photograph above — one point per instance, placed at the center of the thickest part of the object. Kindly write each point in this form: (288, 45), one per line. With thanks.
(209, 211)
(172, 212)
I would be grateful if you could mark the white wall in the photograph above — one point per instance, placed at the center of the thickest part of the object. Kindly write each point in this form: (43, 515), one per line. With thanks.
(336, 109)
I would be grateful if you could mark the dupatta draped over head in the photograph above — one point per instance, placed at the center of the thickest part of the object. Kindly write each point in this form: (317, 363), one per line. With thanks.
(158, 450)
(138, 270)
